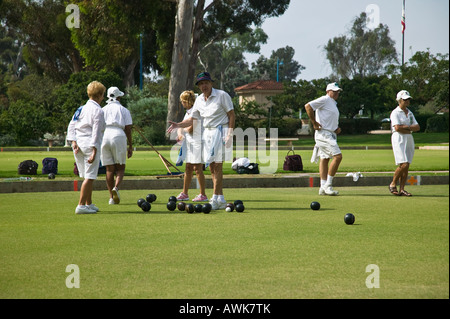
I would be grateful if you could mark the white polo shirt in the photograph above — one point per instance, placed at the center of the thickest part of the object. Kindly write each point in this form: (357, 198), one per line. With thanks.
(87, 125)
(327, 113)
(116, 115)
(398, 117)
(214, 110)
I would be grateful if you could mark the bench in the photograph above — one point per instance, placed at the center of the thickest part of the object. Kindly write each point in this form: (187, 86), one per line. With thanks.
(274, 141)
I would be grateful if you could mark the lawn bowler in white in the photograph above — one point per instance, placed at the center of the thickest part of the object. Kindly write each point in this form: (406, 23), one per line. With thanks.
(117, 135)
(191, 150)
(85, 132)
(216, 110)
(324, 116)
(403, 124)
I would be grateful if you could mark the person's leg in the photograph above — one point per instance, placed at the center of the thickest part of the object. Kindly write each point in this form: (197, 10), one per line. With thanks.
(110, 170)
(403, 178)
(398, 175)
(218, 178)
(337, 159)
(120, 172)
(188, 177)
(200, 177)
(86, 192)
(323, 168)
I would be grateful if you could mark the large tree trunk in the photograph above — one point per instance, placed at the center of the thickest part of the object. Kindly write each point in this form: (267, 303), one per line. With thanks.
(180, 59)
(198, 23)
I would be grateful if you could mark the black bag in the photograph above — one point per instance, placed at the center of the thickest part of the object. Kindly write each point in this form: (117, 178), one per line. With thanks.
(252, 168)
(293, 162)
(49, 165)
(28, 167)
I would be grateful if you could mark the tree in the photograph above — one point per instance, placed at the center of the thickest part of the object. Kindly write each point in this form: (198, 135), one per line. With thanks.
(226, 62)
(39, 27)
(220, 19)
(288, 68)
(425, 76)
(180, 57)
(363, 53)
(108, 37)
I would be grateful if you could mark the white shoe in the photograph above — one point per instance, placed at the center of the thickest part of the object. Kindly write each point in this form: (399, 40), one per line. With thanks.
(330, 191)
(215, 204)
(83, 209)
(116, 195)
(93, 207)
(111, 201)
(321, 191)
(221, 205)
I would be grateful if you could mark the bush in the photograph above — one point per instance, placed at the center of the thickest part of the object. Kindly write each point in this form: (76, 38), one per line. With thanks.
(287, 127)
(422, 119)
(437, 124)
(357, 126)
(150, 114)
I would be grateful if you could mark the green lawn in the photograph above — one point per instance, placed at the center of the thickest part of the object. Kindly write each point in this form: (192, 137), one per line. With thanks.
(277, 248)
(145, 163)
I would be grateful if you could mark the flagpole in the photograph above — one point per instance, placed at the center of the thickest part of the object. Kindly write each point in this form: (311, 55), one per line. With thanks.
(403, 32)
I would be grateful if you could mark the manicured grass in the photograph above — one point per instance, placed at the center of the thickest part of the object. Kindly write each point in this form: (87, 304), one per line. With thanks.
(277, 248)
(145, 163)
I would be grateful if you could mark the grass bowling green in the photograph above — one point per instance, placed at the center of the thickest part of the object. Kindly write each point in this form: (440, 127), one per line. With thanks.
(277, 248)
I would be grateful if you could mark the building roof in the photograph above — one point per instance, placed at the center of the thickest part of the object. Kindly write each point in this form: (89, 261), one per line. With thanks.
(263, 85)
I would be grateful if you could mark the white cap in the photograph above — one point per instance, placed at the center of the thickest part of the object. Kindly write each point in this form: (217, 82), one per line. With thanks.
(403, 95)
(333, 87)
(113, 93)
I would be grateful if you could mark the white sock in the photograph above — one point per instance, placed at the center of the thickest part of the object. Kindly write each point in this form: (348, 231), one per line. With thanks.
(323, 182)
(214, 197)
(330, 180)
(221, 198)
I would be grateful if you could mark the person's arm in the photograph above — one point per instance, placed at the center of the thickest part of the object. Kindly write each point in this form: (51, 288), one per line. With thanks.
(312, 117)
(231, 123)
(129, 139)
(174, 125)
(407, 129)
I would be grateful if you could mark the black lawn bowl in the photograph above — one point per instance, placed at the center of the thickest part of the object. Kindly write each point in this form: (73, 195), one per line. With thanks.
(349, 219)
(315, 205)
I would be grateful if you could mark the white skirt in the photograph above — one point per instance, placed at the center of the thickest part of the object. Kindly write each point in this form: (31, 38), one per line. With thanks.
(194, 152)
(403, 147)
(114, 147)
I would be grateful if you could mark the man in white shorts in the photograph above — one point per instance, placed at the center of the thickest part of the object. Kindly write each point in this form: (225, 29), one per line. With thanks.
(114, 146)
(324, 116)
(216, 110)
(85, 131)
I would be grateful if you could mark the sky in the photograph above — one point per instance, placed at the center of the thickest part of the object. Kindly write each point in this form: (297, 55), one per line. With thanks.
(307, 26)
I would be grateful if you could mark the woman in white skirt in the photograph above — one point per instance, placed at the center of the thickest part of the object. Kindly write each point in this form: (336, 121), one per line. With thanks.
(115, 152)
(192, 142)
(403, 123)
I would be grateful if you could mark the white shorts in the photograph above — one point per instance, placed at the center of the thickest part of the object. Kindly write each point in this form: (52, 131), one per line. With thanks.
(208, 140)
(85, 169)
(326, 141)
(403, 147)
